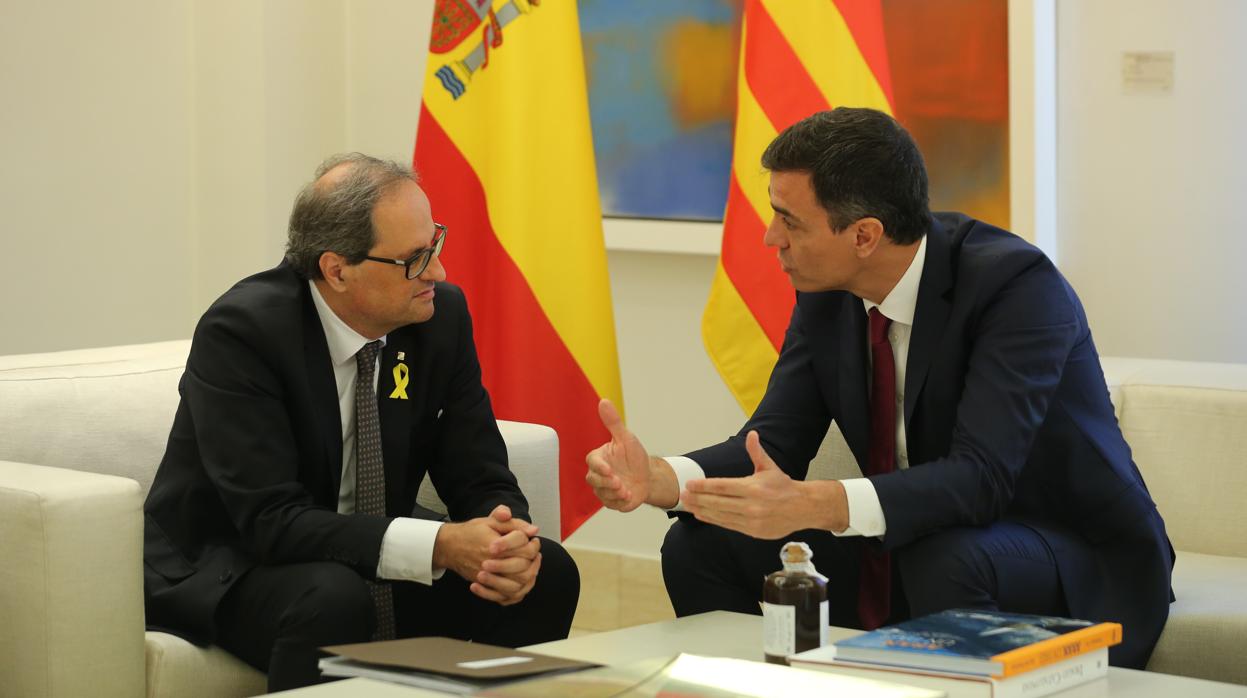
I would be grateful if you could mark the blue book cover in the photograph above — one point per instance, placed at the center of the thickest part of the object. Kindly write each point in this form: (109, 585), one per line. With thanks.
(973, 642)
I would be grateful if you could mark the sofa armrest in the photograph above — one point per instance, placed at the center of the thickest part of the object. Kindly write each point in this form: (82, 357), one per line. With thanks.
(533, 453)
(71, 583)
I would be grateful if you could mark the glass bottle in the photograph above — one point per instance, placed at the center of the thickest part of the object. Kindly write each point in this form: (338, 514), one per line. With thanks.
(794, 606)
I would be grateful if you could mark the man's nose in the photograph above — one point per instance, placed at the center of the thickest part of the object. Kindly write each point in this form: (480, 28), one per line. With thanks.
(435, 271)
(774, 237)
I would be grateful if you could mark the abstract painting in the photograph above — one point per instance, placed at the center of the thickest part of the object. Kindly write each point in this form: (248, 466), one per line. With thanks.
(662, 98)
(662, 78)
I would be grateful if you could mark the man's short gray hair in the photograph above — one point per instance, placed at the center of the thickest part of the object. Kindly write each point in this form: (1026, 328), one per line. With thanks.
(337, 217)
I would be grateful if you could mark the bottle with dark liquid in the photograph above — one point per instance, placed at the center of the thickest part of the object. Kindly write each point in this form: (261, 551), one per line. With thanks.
(794, 606)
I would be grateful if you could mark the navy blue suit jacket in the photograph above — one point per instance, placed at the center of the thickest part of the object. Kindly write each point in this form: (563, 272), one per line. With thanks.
(1007, 416)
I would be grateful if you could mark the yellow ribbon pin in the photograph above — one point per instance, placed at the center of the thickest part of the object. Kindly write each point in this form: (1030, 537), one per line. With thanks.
(400, 382)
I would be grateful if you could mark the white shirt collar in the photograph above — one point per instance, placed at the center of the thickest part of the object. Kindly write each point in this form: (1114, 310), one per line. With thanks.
(343, 341)
(902, 301)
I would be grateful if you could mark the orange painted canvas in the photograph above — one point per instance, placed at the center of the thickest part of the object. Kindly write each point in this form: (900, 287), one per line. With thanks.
(950, 81)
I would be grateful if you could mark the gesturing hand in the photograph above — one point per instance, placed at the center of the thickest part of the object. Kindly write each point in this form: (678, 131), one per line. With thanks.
(767, 504)
(619, 470)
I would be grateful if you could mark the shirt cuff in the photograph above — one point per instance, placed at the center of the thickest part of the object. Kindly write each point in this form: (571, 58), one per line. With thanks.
(407, 551)
(865, 512)
(685, 469)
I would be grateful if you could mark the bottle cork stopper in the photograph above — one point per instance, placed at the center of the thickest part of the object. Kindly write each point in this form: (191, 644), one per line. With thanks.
(796, 553)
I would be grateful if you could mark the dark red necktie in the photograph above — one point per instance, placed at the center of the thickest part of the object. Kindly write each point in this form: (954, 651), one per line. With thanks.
(874, 591)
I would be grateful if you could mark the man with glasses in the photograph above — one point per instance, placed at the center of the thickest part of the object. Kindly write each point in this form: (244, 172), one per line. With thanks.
(316, 397)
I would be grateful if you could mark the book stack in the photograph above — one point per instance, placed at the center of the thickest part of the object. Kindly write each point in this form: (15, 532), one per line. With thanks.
(975, 654)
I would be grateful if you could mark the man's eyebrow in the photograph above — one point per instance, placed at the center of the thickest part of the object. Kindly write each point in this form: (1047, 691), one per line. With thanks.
(420, 248)
(785, 212)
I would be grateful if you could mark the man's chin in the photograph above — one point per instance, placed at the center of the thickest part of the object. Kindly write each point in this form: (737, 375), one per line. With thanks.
(421, 312)
(793, 279)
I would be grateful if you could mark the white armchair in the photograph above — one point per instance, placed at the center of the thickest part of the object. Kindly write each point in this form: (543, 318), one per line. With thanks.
(81, 435)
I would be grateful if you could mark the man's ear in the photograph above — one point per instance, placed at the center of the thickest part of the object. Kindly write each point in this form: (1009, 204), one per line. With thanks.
(333, 268)
(867, 235)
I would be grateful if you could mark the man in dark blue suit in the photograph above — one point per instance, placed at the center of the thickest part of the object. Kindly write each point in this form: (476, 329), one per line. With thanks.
(958, 364)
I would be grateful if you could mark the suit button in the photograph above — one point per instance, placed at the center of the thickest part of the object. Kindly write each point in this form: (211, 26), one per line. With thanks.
(226, 576)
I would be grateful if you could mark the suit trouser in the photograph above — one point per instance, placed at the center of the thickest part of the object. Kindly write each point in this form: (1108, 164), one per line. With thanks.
(1004, 566)
(276, 617)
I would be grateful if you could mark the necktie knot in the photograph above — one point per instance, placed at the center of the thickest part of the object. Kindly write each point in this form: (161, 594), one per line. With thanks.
(367, 355)
(879, 324)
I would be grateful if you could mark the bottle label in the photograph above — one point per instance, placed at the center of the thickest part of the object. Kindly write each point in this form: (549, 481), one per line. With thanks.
(779, 628)
(823, 623)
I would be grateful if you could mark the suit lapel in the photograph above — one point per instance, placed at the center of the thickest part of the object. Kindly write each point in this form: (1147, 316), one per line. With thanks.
(324, 390)
(395, 411)
(854, 413)
(930, 315)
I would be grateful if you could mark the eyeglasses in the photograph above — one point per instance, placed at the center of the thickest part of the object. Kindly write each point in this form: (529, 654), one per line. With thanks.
(418, 262)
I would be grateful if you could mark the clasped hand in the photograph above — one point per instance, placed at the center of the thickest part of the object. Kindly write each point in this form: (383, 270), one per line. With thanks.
(498, 554)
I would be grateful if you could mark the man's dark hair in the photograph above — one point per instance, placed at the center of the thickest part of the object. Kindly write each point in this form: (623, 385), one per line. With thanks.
(862, 163)
(337, 217)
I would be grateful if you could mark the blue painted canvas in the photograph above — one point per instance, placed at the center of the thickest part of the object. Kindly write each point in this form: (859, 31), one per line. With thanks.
(662, 98)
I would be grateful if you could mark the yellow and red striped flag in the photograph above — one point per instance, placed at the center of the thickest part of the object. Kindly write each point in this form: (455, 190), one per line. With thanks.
(506, 156)
(797, 57)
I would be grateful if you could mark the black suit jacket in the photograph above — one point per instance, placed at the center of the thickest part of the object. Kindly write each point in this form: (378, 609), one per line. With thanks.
(1007, 415)
(252, 469)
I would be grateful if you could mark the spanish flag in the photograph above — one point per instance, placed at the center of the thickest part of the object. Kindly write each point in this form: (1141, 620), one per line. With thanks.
(505, 154)
(797, 57)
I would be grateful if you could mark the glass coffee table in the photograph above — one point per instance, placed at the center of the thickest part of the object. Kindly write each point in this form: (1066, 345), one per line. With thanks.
(737, 635)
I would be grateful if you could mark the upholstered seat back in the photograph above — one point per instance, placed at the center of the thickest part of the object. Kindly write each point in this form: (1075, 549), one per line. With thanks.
(103, 410)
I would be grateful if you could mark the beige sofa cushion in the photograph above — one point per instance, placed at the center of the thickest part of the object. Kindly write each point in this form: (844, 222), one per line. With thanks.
(51, 408)
(1190, 444)
(178, 669)
(1205, 633)
(834, 460)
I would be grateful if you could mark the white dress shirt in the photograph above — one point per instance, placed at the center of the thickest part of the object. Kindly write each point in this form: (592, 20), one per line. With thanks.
(407, 546)
(865, 513)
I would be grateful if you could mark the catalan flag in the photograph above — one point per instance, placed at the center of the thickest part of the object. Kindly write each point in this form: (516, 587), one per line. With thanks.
(797, 57)
(505, 154)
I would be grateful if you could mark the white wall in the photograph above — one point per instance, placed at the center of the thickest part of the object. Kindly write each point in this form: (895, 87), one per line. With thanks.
(97, 130)
(153, 148)
(1151, 224)
(1032, 122)
(269, 86)
(386, 44)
